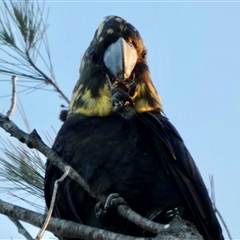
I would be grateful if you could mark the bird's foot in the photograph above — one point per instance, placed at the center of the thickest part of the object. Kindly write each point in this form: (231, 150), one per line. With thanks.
(122, 103)
(112, 202)
(100, 212)
(120, 98)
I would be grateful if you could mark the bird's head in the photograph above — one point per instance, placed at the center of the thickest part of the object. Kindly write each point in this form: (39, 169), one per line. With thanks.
(117, 52)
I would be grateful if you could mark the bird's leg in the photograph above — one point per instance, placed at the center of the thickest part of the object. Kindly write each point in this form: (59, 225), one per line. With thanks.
(112, 202)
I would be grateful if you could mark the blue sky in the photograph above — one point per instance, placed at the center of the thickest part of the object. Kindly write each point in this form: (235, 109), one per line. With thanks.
(194, 59)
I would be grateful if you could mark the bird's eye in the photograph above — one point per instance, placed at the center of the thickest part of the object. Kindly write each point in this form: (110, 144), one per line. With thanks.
(144, 54)
(93, 56)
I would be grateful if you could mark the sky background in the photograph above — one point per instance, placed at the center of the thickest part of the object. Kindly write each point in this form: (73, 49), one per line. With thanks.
(194, 59)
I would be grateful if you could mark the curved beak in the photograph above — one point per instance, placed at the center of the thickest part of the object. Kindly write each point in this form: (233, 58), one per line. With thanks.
(120, 58)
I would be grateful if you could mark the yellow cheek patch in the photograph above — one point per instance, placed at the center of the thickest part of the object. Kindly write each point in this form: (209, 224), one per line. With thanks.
(146, 98)
(99, 106)
(140, 89)
(142, 105)
(86, 95)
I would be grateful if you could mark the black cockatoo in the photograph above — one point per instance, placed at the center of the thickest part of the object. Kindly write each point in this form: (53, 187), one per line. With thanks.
(118, 139)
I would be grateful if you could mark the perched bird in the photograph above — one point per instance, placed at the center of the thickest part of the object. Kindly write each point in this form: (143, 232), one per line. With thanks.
(118, 139)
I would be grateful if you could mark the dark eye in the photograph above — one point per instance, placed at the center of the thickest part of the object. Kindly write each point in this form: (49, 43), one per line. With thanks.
(144, 54)
(93, 56)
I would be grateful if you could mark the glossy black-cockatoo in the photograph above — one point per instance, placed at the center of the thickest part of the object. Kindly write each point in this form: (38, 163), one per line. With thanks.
(118, 139)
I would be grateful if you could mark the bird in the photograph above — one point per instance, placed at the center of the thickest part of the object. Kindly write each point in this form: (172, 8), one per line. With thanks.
(117, 137)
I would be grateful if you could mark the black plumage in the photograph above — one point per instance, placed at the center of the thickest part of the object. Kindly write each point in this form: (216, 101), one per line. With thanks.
(141, 156)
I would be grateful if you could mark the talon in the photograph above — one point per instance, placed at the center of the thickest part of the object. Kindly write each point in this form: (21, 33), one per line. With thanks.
(117, 105)
(99, 210)
(114, 200)
(109, 202)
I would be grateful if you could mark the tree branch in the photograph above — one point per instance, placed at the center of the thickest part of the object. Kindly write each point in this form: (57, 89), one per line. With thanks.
(59, 227)
(21, 229)
(14, 97)
(63, 228)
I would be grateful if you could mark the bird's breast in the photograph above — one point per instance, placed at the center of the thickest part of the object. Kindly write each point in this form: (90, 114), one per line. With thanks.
(114, 154)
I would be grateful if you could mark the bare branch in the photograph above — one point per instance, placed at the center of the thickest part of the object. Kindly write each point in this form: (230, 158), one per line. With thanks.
(62, 228)
(14, 97)
(21, 228)
(139, 220)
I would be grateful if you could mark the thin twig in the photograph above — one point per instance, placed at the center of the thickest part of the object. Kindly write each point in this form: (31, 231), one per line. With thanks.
(223, 222)
(211, 179)
(213, 199)
(21, 228)
(46, 78)
(14, 97)
(48, 218)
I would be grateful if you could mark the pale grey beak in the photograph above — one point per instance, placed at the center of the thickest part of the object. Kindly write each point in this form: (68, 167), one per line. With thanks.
(120, 58)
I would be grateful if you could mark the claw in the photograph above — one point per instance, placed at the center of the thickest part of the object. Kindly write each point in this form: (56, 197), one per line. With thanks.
(112, 202)
(99, 210)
